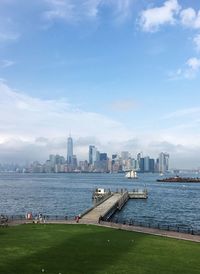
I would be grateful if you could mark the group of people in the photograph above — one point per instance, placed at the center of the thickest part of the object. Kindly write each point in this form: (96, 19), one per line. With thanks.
(36, 219)
(39, 219)
(3, 220)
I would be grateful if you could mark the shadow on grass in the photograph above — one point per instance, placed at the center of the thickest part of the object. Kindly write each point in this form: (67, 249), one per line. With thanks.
(2, 231)
(78, 249)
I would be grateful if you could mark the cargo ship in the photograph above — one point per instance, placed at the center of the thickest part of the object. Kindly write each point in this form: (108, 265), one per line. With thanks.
(178, 179)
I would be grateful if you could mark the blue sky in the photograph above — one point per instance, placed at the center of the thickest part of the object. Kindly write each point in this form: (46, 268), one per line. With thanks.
(121, 74)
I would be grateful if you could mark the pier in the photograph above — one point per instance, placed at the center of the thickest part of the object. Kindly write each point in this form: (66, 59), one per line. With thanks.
(104, 209)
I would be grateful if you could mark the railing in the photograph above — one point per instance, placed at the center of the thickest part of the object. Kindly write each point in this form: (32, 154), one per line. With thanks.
(44, 216)
(131, 222)
(171, 227)
(99, 200)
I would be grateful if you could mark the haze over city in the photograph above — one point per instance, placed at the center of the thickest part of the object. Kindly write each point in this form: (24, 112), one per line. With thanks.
(111, 73)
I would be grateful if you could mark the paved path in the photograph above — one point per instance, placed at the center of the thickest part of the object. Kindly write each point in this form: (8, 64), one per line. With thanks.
(151, 231)
(154, 231)
(101, 210)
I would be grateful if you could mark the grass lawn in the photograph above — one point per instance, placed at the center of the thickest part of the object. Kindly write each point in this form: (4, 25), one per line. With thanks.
(86, 249)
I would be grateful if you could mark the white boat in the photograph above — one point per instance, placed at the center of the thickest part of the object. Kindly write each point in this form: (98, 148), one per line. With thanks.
(132, 174)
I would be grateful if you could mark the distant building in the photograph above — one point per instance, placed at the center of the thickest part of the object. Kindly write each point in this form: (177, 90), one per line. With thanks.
(151, 165)
(98, 156)
(103, 157)
(52, 160)
(74, 162)
(69, 150)
(59, 159)
(146, 164)
(92, 154)
(141, 165)
(139, 156)
(163, 162)
(83, 165)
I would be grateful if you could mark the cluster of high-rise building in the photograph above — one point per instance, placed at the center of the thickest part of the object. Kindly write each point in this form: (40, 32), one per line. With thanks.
(100, 162)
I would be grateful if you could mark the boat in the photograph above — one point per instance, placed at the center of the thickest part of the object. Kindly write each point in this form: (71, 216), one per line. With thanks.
(178, 179)
(131, 174)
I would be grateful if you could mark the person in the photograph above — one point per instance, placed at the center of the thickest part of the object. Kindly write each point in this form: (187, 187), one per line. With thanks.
(41, 218)
(29, 216)
(100, 218)
(78, 218)
(36, 220)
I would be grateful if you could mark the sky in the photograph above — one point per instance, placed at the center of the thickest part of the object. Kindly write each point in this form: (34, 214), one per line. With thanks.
(118, 74)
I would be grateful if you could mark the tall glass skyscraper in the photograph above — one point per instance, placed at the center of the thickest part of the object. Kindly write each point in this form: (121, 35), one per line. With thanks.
(69, 150)
(163, 162)
(92, 154)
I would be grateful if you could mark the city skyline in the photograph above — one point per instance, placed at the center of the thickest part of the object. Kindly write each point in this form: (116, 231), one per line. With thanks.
(123, 75)
(97, 161)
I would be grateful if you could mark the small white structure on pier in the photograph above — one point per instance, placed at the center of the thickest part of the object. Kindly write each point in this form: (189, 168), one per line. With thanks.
(100, 191)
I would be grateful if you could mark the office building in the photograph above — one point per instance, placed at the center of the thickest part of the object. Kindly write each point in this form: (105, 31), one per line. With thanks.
(146, 164)
(69, 150)
(92, 154)
(151, 165)
(163, 162)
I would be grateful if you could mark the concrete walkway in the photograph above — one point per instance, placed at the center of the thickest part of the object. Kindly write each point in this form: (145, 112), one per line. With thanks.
(154, 231)
(146, 230)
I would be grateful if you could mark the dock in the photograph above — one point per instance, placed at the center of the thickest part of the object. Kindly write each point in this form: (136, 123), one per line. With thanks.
(138, 194)
(115, 201)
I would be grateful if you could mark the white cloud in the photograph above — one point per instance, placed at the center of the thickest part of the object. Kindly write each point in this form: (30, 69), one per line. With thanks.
(190, 18)
(8, 26)
(122, 8)
(59, 9)
(124, 105)
(184, 113)
(25, 119)
(151, 19)
(8, 36)
(6, 63)
(77, 10)
(193, 63)
(196, 41)
(189, 71)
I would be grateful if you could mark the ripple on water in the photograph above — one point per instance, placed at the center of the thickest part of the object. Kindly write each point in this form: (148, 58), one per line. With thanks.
(70, 194)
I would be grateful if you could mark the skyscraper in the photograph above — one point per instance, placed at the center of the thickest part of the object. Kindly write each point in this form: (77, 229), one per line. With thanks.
(92, 154)
(163, 162)
(146, 164)
(69, 150)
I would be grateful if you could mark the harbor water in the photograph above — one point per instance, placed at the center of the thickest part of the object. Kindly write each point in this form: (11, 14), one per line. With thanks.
(176, 204)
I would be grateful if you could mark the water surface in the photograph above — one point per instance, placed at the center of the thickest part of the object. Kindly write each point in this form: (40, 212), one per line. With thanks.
(70, 194)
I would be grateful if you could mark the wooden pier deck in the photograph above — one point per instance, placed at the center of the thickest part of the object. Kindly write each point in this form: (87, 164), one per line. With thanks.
(107, 207)
(117, 200)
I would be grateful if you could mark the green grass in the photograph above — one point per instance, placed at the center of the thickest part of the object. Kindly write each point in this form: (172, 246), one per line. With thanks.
(85, 249)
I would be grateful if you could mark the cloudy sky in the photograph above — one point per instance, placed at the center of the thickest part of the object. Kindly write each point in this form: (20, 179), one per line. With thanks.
(119, 74)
